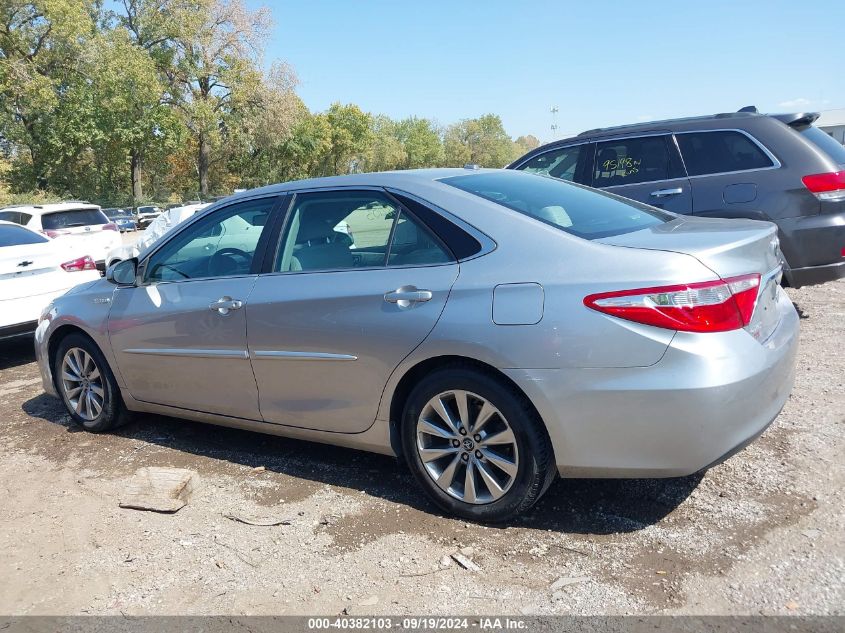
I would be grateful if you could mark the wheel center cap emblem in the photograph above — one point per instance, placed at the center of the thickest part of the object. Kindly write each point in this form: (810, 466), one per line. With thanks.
(468, 445)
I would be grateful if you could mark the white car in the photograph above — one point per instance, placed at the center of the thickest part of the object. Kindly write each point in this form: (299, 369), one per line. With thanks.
(159, 226)
(83, 227)
(34, 270)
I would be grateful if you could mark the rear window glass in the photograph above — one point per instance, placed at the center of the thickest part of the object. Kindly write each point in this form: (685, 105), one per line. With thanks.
(70, 219)
(16, 235)
(720, 152)
(826, 143)
(572, 208)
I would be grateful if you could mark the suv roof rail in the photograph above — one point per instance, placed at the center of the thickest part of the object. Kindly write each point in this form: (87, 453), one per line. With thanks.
(632, 126)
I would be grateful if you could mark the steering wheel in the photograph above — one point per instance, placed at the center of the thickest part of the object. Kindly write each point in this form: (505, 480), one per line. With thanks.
(222, 261)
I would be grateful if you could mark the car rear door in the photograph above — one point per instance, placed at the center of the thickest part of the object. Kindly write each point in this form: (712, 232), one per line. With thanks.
(179, 336)
(357, 283)
(646, 168)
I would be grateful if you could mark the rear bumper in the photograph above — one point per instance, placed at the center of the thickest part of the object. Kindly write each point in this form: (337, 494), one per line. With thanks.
(813, 247)
(708, 396)
(813, 275)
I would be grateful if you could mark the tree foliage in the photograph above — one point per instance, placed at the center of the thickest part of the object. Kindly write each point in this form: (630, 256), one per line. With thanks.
(135, 100)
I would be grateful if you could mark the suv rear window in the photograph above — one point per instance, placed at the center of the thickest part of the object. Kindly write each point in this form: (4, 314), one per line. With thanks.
(75, 217)
(720, 152)
(825, 142)
(578, 210)
(17, 235)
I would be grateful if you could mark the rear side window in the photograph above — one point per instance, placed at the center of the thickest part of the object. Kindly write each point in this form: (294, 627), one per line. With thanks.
(69, 219)
(633, 160)
(560, 163)
(825, 142)
(720, 152)
(17, 235)
(572, 208)
(15, 216)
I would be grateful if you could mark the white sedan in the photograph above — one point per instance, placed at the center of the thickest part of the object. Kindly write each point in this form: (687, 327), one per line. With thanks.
(33, 271)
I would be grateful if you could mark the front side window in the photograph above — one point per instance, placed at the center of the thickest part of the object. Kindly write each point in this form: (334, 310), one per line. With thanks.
(340, 230)
(720, 152)
(560, 163)
(578, 210)
(632, 160)
(222, 244)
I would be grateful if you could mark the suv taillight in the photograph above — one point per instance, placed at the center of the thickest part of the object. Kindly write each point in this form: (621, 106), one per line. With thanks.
(82, 263)
(111, 226)
(51, 233)
(829, 186)
(710, 306)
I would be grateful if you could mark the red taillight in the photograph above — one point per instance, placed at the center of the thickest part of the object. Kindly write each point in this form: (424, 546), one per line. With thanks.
(710, 306)
(829, 186)
(51, 233)
(111, 226)
(81, 263)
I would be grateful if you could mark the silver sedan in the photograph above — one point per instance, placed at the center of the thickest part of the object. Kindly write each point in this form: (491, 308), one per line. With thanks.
(493, 329)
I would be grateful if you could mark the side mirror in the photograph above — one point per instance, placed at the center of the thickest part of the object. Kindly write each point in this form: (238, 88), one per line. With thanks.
(123, 273)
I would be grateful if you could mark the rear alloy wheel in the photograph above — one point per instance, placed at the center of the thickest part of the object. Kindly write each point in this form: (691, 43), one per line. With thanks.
(86, 385)
(476, 445)
(467, 447)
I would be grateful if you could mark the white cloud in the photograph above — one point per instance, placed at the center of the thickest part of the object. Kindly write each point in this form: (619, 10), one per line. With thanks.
(800, 102)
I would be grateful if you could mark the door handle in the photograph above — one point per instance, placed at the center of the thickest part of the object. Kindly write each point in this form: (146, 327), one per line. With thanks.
(406, 295)
(224, 305)
(665, 193)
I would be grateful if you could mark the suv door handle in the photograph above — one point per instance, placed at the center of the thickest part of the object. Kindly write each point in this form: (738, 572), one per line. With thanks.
(224, 305)
(406, 295)
(665, 193)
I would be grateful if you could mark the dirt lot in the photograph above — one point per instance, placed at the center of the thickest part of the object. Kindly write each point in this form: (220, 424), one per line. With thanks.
(762, 533)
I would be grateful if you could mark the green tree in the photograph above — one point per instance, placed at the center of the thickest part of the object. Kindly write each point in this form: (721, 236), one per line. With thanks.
(42, 82)
(421, 141)
(351, 138)
(525, 144)
(386, 151)
(216, 73)
(482, 141)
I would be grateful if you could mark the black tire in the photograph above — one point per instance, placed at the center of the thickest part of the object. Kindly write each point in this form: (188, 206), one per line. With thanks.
(535, 466)
(113, 412)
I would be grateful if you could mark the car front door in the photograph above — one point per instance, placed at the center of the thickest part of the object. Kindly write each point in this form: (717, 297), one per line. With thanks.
(643, 168)
(358, 282)
(179, 335)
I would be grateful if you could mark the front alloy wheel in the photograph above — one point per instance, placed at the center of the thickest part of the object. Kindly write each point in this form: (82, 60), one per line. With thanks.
(82, 384)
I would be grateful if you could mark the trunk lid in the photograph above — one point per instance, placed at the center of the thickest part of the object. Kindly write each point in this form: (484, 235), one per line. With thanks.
(727, 247)
(30, 269)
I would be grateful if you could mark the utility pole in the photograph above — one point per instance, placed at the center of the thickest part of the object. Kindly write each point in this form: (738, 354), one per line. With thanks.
(554, 112)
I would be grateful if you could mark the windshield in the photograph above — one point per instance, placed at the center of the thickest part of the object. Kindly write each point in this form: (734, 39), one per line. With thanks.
(17, 235)
(825, 142)
(578, 210)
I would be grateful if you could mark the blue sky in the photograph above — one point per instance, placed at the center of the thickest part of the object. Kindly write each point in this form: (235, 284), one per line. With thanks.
(600, 63)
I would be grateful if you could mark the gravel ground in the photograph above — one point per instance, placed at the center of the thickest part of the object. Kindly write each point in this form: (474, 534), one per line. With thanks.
(759, 534)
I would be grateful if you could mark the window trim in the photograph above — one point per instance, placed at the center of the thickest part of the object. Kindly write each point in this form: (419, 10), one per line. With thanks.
(776, 164)
(258, 258)
(270, 262)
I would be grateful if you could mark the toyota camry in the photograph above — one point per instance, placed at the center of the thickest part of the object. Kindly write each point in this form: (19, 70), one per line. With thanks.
(493, 329)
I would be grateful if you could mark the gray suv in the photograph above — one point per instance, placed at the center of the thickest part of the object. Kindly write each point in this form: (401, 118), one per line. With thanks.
(778, 168)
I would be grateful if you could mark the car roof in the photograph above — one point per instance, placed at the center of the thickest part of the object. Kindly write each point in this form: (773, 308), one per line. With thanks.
(44, 209)
(407, 177)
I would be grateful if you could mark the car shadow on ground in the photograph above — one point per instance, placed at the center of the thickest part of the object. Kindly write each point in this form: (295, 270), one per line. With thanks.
(582, 506)
(17, 351)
